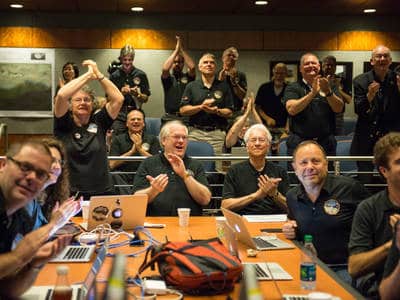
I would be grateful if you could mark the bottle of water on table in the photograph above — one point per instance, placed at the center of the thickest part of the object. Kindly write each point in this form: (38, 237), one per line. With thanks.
(308, 266)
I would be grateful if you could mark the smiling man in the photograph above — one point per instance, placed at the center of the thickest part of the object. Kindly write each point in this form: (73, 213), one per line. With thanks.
(23, 174)
(208, 104)
(322, 205)
(171, 179)
(135, 142)
(311, 104)
(377, 103)
(256, 186)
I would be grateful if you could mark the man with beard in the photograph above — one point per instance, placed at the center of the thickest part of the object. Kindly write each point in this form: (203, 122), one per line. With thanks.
(322, 205)
(171, 179)
(311, 104)
(23, 174)
(235, 79)
(135, 142)
(377, 104)
(133, 84)
(174, 84)
(256, 186)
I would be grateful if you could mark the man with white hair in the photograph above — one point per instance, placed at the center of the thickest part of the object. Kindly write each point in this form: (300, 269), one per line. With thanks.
(171, 179)
(256, 186)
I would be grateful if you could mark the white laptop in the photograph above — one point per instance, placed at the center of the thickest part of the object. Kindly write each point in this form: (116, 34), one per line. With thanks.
(261, 242)
(79, 291)
(120, 211)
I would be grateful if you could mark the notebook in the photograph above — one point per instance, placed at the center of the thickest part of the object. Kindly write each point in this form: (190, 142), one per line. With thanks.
(243, 235)
(121, 212)
(79, 291)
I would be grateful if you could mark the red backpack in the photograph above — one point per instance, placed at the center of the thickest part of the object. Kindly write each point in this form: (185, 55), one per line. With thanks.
(197, 268)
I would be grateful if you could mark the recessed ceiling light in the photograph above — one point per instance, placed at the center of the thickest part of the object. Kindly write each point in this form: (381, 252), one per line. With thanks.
(137, 8)
(15, 5)
(369, 10)
(261, 2)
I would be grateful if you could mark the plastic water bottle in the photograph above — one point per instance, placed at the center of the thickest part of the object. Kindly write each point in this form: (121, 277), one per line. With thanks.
(62, 289)
(308, 267)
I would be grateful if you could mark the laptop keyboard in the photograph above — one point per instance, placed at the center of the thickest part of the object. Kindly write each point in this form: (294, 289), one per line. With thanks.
(295, 297)
(260, 272)
(261, 243)
(76, 253)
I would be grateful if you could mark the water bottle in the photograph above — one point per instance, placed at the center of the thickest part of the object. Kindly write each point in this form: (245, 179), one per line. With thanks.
(62, 289)
(308, 267)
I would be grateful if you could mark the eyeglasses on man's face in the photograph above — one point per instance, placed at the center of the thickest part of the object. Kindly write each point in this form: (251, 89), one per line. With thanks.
(178, 137)
(79, 100)
(27, 168)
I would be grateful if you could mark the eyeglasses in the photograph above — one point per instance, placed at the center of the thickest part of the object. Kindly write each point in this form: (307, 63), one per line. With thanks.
(27, 168)
(79, 100)
(179, 137)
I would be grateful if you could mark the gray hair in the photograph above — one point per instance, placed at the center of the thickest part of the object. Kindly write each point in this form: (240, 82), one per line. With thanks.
(262, 128)
(127, 50)
(166, 129)
(303, 57)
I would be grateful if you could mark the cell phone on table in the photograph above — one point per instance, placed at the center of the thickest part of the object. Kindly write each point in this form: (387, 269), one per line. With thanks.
(77, 195)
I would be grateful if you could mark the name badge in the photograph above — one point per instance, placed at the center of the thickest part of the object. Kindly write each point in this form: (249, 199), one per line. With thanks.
(92, 128)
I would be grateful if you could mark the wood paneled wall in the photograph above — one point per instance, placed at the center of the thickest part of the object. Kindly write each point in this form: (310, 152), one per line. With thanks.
(31, 37)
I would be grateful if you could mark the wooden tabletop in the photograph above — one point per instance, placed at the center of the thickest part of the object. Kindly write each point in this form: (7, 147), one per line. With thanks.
(204, 228)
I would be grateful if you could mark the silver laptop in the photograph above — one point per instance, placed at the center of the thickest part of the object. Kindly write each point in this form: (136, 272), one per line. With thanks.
(270, 271)
(79, 291)
(73, 253)
(243, 235)
(120, 211)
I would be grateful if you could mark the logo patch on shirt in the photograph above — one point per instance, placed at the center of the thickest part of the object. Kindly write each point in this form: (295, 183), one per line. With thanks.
(137, 80)
(92, 128)
(218, 94)
(77, 135)
(146, 146)
(332, 207)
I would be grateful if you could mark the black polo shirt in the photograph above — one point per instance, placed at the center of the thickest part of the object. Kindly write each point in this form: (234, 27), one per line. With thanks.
(122, 143)
(175, 194)
(135, 77)
(271, 104)
(392, 260)
(18, 223)
(242, 180)
(371, 227)
(329, 219)
(317, 120)
(86, 152)
(240, 80)
(173, 86)
(196, 92)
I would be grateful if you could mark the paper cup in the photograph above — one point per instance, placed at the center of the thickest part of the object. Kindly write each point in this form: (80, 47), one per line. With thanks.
(184, 214)
(85, 210)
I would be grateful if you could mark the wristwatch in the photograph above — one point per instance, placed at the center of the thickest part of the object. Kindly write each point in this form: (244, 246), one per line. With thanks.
(188, 173)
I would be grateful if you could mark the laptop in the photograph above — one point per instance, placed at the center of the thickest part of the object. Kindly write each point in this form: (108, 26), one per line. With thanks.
(79, 291)
(120, 211)
(243, 235)
(74, 253)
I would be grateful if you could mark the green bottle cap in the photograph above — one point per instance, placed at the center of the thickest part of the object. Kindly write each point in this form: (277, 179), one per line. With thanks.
(308, 238)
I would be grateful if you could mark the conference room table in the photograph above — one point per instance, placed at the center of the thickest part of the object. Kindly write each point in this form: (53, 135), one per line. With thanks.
(205, 228)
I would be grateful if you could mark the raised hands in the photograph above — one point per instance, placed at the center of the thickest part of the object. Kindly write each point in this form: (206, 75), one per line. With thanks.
(158, 183)
(177, 164)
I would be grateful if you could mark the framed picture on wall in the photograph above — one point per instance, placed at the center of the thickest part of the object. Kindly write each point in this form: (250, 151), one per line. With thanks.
(293, 70)
(367, 65)
(26, 77)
